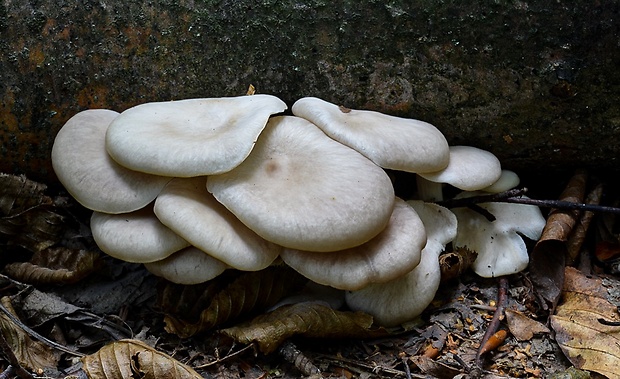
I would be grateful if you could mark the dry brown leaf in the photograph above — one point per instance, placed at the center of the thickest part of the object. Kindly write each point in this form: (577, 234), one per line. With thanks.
(587, 325)
(57, 265)
(19, 194)
(580, 230)
(308, 319)
(437, 369)
(244, 296)
(522, 327)
(27, 216)
(134, 359)
(549, 255)
(31, 354)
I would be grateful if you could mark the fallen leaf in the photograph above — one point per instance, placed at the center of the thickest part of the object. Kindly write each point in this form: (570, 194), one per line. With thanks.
(57, 265)
(247, 294)
(580, 230)
(548, 257)
(19, 194)
(587, 325)
(27, 216)
(134, 359)
(308, 319)
(522, 327)
(31, 354)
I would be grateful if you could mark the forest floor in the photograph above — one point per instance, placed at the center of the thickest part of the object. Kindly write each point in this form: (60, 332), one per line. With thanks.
(58, 321)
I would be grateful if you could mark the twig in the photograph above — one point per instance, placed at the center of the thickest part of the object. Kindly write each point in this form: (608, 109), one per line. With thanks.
(502, 295)
(229, 356)
(514, 196)
(294, 356)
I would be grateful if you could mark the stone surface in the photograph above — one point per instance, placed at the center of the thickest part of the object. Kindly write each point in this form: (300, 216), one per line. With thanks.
(535, 82)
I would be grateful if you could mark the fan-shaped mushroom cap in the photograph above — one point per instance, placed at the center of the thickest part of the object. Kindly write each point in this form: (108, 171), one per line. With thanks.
(404, 298)
(90, 175)
(303, 190)
(186, 207)
(188, 266)
(392, 253)
(391, 142)
(507, 180)
(469, 169)
(137, 237)
(501, 250)
(191, 137)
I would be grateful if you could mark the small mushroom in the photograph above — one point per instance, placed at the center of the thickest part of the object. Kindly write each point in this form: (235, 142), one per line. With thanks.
(402, 299)
(186, 207)
(137, 237)
(191, 137)
(90, 175)
(500, 247)
(187, 266)
(469, 169)
(391, 142)
(507, 180)
(392, 253)
(302, 190)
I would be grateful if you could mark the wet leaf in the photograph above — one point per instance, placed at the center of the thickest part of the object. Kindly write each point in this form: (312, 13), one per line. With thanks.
(549, 255)
(31, 354)
(134, 359)
(587, 325)
(57, 265)
(308, 319)
(247, 294)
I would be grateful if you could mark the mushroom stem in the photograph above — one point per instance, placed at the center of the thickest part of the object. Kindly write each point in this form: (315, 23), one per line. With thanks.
(429, 191)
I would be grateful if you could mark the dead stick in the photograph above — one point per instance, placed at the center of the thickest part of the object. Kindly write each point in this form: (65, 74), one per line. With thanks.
(509, 197)
(502, 295)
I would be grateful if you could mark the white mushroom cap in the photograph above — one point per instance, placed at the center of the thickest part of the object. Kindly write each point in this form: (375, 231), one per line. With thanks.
(186, 207)
(303, 190)
(392, 253)
(507, 180)
(137, 237)
(501, 250)
(89, 174)
(469, 169)
(190, 137)
(402, 299)
(391, 142)
(188, 266)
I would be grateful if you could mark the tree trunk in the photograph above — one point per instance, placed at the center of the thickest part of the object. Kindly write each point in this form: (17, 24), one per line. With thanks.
(535, 82)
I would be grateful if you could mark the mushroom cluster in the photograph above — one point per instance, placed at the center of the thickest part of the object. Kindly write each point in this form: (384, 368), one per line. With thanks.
(193, 187)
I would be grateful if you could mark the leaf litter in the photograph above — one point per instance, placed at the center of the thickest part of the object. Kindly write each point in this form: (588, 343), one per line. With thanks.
(118, 317)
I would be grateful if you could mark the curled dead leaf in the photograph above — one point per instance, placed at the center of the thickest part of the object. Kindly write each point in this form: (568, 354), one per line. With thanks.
(57, 265)
(226, 298)
(134, 359)
(453, 264)
(308, 319)
(548, 257)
